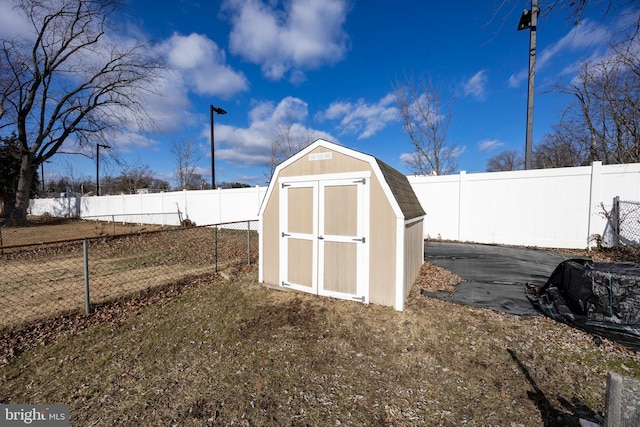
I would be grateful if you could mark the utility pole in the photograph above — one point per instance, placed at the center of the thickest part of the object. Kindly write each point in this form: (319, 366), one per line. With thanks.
(98, 166)
(529, 19)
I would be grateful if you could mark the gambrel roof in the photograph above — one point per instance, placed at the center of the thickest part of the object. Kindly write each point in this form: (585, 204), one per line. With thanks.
(396, 185)
(402, 191)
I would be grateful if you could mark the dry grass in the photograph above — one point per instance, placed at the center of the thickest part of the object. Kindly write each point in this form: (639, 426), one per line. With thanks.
(211, 352)
(43, 281)
(238, 353)
(39, 230)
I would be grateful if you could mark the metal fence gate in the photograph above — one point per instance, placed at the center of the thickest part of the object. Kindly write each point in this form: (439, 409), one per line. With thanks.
(626, 222)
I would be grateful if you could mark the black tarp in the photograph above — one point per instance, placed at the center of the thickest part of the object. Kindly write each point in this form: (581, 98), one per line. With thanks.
(598, 297)
(494, 276)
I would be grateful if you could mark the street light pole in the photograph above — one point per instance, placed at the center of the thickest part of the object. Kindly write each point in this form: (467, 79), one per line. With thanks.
(220, 111)
(98, 166)
(529, 19)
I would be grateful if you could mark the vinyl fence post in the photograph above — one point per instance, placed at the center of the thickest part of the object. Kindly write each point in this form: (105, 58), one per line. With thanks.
(85, 256)
(248, 243)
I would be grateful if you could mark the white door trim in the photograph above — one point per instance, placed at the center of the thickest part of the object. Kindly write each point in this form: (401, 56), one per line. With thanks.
(285, 235)
(362, 267)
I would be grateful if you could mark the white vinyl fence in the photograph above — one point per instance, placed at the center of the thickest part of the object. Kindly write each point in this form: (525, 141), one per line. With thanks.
(201, 207)
(557, 208)
(560, 208)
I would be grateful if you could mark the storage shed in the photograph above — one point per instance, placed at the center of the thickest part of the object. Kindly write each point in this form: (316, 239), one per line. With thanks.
(340, 223)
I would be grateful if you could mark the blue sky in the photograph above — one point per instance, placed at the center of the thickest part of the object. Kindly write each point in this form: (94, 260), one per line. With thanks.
(332, 63)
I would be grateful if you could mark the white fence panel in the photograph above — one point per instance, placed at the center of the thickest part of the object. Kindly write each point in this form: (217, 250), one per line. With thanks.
(202, 207)
(562, 208)
(440, 198)
(59, 207)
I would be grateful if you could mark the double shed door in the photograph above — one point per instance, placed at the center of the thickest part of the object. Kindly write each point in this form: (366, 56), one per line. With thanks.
(324, 236)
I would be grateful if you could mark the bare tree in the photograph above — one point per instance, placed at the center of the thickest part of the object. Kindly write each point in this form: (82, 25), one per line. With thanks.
(134, 176)
(426, 121)
(290, 137)
(187, 157)
(509, 160)
(565, 147)
(68, 80)
(72, 177)
(606, 104)
(507, 12)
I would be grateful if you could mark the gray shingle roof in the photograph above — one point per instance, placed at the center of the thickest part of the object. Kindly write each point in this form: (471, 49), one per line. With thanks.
(402, 191)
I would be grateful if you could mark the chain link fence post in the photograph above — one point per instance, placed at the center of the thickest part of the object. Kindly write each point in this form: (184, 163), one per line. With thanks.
(85, 256)
(616, 221)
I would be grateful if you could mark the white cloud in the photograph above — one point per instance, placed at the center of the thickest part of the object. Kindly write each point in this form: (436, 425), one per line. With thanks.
(196, 65)
(476, 85)
(129, 141)
(489, 145)
(301, 35)
(203, 66)
(361, 118)
(12, 23)
(585, 35)
(252, 145)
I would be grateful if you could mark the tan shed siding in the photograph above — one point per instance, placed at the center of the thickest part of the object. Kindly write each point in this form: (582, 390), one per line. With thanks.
(271, 239)
(382, 247)
(340, 267)
(338, 163)
(300, 215)
(300, 262)
(413, 254)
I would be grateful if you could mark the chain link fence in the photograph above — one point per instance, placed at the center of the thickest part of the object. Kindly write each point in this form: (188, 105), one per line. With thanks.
(627, 222)
(46, 228)
(46, 280)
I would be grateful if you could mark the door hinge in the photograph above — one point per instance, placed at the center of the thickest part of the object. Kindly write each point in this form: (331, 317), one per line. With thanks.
(285, 185)
(359, 240)
(361, 299)
(285, 283)
(360, 181)
(285, 234)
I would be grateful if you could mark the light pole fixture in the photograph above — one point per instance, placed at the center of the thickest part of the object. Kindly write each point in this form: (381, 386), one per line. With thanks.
(98, 166)
(220, 111)
(529, 19)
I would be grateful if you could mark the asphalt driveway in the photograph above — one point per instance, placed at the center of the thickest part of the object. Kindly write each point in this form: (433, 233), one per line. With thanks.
(494, 276)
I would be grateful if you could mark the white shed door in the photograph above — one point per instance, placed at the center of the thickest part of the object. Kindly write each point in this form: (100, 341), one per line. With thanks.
(325, 237)
(299, 234)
